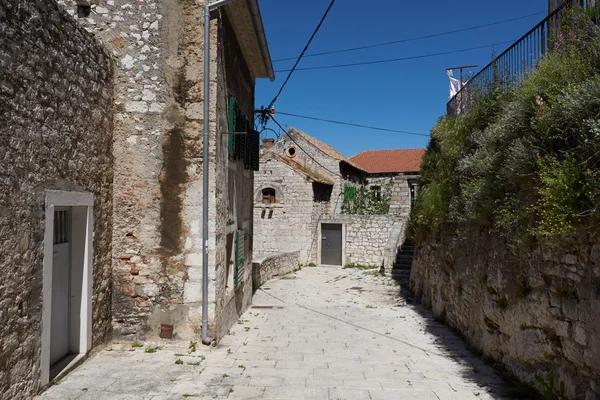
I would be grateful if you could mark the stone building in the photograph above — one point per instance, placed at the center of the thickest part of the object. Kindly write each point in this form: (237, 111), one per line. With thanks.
(301, 194)
(101, 175)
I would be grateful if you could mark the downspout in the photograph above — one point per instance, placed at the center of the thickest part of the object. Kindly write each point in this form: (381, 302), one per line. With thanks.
(207, 9)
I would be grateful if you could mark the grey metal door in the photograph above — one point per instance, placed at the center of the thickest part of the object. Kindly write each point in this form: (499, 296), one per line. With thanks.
(331, 244)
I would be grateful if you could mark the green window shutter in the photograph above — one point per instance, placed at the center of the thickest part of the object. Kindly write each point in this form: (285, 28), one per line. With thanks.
(240, 247)
(255, 150)
(242, 138)
(349, 192)
(233, 122)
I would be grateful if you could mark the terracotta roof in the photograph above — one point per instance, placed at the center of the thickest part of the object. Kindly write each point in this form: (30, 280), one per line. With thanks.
(308, 173)
(386, 161)
(324, 147)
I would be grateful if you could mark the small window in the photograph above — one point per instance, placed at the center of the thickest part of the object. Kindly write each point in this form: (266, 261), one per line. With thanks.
(268, 196)
(376, 191)
(322, 192)
(414, 186)
(291, 151)
(83, 10)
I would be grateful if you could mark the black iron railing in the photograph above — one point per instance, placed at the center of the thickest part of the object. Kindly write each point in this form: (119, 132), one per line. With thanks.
(510, 67)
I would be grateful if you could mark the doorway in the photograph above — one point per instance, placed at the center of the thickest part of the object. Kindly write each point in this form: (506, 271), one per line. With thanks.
(331, 244)
(67, 282)
(61, 282)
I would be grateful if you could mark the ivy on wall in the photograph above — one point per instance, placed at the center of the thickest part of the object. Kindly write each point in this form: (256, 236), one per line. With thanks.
(364, 201)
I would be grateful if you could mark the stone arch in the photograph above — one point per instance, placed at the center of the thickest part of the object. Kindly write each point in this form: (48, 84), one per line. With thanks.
(258, 194)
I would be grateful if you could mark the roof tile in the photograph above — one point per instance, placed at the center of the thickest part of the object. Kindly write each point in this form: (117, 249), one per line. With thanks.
(389, 161)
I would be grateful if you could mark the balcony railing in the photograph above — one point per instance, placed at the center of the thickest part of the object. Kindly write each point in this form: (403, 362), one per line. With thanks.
(509, 68)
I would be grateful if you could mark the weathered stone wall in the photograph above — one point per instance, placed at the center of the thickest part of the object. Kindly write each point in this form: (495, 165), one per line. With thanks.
(294, 222)
(286, 225)
(231, 189)
(55, 114)
(400, 203)
(538, 312)
(271, 266)
(367, 236)
(158, 145)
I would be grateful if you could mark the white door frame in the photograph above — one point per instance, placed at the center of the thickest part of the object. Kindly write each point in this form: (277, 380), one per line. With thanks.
(85, 201)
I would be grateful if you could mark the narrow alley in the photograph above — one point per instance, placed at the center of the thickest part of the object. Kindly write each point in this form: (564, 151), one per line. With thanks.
(318, 333)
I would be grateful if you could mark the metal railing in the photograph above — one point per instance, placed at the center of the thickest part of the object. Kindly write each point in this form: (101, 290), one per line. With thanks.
(510, 67)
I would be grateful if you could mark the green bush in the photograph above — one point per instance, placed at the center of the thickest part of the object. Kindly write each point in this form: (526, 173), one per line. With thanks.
(524, 160)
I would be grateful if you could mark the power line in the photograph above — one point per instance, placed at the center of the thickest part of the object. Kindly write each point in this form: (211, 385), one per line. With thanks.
(397, 59)
(412, 39)
(305, 152)
(351, 124)
(302, 54)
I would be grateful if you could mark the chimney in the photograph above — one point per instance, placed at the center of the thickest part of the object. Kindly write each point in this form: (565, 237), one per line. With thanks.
(268, 143)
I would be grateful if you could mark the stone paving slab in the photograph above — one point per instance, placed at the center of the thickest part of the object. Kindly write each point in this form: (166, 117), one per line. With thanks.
(321, 340)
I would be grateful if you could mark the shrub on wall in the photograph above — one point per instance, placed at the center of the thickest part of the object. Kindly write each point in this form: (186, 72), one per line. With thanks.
(526, 160)
(362, 201)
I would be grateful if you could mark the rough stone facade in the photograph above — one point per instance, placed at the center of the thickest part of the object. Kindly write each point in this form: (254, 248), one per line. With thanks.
(267, 268)
(55, 114)
(538, 313)
(367, 236)
(158, 47)
(400, 185)
(293, 222)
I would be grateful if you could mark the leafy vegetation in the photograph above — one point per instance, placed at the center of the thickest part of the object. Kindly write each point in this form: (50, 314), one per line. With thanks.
(525, 161)
(363, 201)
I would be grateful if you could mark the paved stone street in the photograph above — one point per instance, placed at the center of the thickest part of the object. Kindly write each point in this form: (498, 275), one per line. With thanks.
(320, 333)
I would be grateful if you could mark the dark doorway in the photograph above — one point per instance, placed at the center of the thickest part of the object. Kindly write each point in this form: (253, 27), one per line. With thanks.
(331, 244)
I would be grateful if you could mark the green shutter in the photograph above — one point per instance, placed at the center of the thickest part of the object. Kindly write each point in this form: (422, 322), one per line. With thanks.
(242, 138)
(255, 150)
(240, 247)
(233, 121)
(349, 192)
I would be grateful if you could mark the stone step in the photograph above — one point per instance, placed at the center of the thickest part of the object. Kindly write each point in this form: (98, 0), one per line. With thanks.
(401, 275)
(404, 262)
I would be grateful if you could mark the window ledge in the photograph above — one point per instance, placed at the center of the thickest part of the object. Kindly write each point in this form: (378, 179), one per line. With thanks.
(269, 205)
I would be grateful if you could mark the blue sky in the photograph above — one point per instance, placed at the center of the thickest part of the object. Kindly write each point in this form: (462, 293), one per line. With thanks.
(407, 95)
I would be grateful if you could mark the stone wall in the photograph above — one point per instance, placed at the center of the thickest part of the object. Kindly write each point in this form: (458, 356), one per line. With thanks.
(400, 203)
(538, 313)
(55, 114)
(367, 237)
(294, 221)
(158, 45)
(271, 266)
(286, 225)
(231, 189)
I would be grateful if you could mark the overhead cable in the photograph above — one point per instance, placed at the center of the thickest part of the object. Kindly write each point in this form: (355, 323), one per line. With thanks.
(398, 59)
(411, 39)
(291, 71)
(352, 124)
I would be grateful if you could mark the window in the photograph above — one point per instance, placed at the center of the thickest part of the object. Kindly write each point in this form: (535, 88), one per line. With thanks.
(322, 192)
(244, 147)
(376, 192)
(291, 151)
(268, 196)
(413, 192)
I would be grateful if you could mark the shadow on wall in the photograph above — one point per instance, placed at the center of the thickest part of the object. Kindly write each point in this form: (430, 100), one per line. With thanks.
(491, 377)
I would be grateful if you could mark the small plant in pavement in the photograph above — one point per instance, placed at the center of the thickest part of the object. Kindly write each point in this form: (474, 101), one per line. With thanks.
(150, 349)
(192, 347)
(178, 361)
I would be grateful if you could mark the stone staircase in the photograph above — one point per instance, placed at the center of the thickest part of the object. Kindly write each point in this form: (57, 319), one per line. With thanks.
(403, 264)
